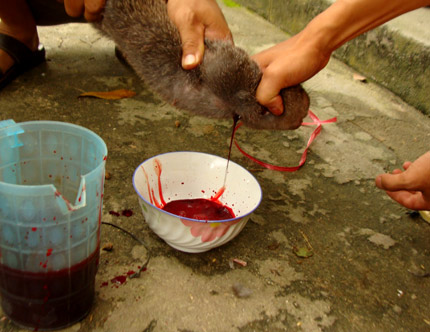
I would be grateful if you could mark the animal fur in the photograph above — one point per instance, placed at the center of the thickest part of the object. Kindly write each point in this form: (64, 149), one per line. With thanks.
(222, 86)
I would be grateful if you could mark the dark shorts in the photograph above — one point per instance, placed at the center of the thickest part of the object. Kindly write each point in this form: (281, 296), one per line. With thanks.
(51, 12)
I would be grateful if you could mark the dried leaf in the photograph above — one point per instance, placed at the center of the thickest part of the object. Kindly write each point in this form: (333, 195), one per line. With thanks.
(425, 215)
(111, 95)
(303, 252)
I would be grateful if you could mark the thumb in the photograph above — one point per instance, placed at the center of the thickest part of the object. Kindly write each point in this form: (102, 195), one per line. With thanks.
(394, 182)
(93, 10)
(192, 46)
(267, 94)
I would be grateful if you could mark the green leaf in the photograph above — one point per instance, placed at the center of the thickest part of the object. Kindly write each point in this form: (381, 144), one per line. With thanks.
(303, 252)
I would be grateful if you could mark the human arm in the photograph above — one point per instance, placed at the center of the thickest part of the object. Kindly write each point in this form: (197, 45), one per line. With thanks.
(411, 187)
(302, 56)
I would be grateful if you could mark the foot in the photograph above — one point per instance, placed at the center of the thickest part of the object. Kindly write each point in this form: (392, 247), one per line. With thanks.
(29, 38)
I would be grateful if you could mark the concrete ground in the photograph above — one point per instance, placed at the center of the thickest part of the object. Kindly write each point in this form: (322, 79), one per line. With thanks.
(370, 264)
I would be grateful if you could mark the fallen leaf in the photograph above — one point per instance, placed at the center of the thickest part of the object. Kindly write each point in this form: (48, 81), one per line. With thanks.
(425, 215)
(303, 252)
(111, 95)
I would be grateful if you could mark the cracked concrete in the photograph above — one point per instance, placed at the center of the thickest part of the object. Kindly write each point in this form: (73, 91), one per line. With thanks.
(369, 264)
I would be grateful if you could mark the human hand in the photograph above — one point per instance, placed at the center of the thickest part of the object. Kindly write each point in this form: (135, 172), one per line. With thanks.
(410, 188)
(197, 20)
(91, 9)
(286, 64)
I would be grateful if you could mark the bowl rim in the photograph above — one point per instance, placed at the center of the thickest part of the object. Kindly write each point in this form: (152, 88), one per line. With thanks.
(191, 219)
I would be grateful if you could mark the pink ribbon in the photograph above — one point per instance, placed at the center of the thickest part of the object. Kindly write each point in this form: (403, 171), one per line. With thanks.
(314, 134)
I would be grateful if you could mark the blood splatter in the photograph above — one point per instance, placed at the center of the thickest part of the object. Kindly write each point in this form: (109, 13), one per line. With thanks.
(127, 213)
(119, 280)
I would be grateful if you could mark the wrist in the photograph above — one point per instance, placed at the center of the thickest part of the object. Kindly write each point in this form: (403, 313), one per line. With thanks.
(328, 31)
(316, 39)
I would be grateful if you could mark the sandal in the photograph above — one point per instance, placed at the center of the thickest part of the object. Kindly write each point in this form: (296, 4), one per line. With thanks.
(24, 58)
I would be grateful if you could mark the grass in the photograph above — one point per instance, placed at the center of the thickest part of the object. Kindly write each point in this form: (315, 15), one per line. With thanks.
(230, 3)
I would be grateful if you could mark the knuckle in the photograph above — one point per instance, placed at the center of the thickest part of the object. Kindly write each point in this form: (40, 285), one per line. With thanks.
(94, 7)
(186, 16)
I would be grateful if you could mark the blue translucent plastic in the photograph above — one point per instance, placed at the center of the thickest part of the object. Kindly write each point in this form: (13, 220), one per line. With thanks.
(51, 194)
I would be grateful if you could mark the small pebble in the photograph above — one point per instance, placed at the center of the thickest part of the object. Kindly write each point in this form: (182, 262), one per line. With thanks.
(108, 247)
(240, 262)
(397, 309)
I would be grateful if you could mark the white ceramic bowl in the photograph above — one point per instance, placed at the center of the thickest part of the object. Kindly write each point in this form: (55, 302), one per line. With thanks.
(191, 175)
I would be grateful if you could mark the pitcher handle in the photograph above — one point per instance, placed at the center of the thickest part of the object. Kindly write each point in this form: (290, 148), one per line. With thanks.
(12, 130)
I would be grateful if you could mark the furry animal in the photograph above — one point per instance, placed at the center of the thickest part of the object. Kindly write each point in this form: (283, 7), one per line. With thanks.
(223, 86)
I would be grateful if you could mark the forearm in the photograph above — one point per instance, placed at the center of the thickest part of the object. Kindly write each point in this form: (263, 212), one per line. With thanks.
(346, 19)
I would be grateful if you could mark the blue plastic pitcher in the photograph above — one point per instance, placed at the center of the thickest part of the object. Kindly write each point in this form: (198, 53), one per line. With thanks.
(51, 198)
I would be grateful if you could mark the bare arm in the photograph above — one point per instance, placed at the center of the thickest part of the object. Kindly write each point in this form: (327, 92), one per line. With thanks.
(302, 56)
(346, 19)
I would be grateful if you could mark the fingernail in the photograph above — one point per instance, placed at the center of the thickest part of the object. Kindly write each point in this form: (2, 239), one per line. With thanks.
(378, 181)
(190, 59)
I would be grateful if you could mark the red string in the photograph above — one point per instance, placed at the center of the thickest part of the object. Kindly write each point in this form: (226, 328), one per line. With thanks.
(314, 134)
